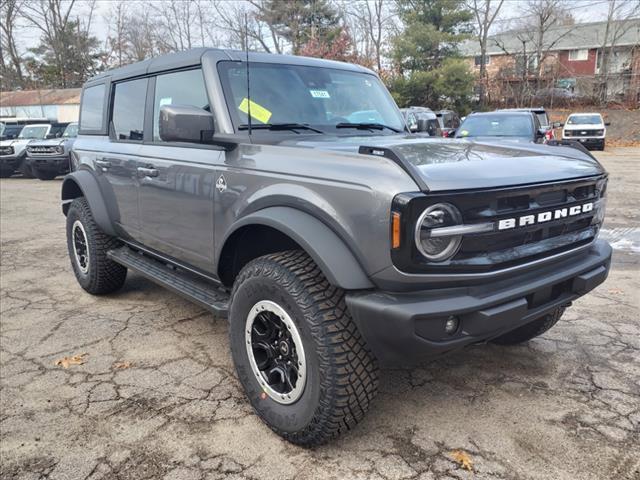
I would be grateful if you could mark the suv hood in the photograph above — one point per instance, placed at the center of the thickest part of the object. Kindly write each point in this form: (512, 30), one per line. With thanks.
(51, 142)
(16, 142)
(441, 164)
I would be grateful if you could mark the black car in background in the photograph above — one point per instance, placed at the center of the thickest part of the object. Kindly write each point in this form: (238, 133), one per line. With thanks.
(543, 118)
(422, 120)
(515, 126)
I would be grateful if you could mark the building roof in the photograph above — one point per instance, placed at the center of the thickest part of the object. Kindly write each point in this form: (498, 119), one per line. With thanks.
(565, 37)
(23, 98)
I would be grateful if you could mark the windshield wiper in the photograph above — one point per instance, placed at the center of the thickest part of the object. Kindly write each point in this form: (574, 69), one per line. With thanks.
(367, 126)
(279, 126)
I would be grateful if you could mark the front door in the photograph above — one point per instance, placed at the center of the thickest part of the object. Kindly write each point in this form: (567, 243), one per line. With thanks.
(177, 181)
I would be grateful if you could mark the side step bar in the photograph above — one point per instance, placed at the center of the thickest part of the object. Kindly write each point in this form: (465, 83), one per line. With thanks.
(178, 281)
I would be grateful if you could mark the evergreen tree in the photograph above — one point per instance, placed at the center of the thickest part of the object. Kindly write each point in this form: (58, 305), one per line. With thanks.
(299, 21)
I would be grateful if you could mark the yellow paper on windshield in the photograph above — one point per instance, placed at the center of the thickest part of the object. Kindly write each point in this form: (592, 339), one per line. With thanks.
(257, 111)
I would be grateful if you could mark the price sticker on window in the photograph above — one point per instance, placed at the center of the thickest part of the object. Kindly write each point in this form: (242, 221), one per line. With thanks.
(319, 94)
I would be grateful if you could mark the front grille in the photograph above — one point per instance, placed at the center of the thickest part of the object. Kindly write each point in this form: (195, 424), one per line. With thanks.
(497, 249)
(44, 150)
(582, 133)
(6, 150)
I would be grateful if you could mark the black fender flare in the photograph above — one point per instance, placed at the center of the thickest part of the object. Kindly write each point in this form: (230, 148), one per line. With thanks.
(327, 249)
(82, 183)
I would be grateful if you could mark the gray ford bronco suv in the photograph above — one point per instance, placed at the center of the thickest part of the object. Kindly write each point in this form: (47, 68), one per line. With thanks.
(287, 194)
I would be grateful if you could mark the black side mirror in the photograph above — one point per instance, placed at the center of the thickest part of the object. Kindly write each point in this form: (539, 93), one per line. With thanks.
(182, 123)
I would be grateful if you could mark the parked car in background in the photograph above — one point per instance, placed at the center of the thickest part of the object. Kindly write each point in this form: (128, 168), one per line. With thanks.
(587, 128)
(10, 127)
(49, 158)
(557, 97)
(422, 120)
(13, 152)
(449, 122)
(514, 126)
(543, 118)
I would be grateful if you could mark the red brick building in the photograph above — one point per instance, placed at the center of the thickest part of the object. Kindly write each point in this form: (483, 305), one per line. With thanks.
(572, 57)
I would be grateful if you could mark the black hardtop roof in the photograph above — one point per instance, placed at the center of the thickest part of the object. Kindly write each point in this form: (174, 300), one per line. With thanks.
(188, 58)
(503, 112)
(531, 109)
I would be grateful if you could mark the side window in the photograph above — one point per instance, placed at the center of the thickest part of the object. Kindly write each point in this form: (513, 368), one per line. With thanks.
(128, 109)
(92, 108)
(179, 88)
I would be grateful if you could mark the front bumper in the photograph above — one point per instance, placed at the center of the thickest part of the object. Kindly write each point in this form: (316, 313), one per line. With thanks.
(402, 328)
(10, 162)
(587, 141)
(58, 164)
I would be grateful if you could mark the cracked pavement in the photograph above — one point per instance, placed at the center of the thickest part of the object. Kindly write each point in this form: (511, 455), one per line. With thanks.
(157, 397)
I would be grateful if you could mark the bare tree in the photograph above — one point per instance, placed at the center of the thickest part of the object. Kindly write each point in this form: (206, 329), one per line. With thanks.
(242, 24)
(543, 25)
(373, 20)
(181, 25)
(12, 66)
(621, 16)
(485, 12)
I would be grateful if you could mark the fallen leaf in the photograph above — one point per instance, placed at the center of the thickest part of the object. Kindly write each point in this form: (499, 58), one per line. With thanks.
(463, 459)
(68, 361)
(122, 365)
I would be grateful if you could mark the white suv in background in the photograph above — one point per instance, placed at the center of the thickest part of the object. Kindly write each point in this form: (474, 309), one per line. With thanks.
(586, 128)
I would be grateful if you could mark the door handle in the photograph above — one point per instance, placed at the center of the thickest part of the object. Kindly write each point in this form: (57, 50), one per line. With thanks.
(103, 164)
(147, 172)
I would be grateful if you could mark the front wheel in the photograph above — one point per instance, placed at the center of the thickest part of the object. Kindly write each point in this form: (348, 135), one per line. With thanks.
(88, 247)
(301, 360)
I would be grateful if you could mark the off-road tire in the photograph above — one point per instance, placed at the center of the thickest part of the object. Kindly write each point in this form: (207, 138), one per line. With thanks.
(103, 275)
(530, 330)
(44, 175)
(342, 374)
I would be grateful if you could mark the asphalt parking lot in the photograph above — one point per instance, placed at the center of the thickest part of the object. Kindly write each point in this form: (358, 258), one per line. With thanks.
(154, 395)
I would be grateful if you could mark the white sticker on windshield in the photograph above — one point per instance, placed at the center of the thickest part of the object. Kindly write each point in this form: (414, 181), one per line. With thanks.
(319, 94)
(165, 101)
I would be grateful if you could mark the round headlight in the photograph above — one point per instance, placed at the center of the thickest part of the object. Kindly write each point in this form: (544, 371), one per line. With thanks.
(433, 246)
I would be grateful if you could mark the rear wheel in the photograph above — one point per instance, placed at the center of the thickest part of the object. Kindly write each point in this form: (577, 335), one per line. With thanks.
(530, 330)
(88, 247)
(301, 360)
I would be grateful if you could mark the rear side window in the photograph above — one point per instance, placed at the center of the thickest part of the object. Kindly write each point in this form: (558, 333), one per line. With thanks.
(92, 109)
(128, 109)
(179, 88)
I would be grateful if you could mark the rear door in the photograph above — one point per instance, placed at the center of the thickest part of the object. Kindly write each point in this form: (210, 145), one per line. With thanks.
(117, 163)
(177, 180)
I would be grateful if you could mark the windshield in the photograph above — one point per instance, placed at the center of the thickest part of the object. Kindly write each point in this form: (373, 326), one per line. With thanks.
(33, 132)
(11, 131)
(318, 97)
(584, 120)
(71, 131)
(496, 126)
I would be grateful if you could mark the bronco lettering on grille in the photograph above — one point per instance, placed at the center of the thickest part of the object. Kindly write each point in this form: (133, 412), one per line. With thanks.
(507, 223)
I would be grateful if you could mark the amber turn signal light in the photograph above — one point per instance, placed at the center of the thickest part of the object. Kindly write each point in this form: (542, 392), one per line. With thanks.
(395, 230)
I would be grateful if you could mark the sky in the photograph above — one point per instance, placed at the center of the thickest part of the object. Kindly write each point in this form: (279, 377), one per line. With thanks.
(582, 10)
